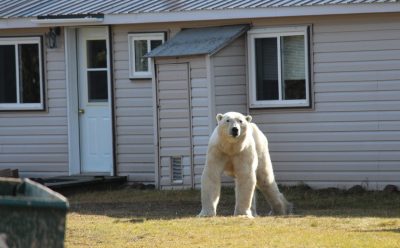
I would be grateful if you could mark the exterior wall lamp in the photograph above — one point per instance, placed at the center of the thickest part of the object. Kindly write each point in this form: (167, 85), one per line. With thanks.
(51, 37)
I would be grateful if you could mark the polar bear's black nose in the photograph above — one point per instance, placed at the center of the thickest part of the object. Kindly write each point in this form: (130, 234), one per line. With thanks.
(235, 131)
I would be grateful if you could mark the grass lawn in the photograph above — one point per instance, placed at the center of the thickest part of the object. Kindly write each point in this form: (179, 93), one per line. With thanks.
(150, 218)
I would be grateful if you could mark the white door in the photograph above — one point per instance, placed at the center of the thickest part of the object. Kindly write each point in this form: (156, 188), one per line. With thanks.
(95, 128)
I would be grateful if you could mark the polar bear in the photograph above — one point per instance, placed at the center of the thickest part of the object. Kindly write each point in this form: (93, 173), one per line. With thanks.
(238, 148)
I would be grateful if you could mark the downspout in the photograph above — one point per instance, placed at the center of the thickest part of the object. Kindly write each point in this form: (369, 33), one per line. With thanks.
(156, 138)
(113, 117)
(191, 127)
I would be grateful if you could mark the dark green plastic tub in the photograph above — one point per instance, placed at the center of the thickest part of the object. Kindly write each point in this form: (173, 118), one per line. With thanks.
(31, 215)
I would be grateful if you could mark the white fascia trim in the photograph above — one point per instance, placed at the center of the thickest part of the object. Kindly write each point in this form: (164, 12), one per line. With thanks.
(226, 14)
(203, 15)
(28, 22)
(65, 21)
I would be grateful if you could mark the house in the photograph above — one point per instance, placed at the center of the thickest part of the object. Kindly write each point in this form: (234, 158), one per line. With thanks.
(132, 87)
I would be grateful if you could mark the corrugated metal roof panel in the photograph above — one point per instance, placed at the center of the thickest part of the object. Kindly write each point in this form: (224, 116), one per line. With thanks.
(26, 8)
(198, 41)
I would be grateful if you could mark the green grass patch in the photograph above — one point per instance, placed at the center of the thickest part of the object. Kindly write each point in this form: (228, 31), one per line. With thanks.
(152, 218)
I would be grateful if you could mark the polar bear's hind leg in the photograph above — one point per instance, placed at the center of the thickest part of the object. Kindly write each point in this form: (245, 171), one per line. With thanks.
(254, 204)
(279, 205)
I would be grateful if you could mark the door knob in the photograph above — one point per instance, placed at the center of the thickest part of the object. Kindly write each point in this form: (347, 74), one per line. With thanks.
(81, 111)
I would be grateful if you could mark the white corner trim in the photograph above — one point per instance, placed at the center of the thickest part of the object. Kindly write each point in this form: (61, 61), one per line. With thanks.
(211, 93)
(72, 100)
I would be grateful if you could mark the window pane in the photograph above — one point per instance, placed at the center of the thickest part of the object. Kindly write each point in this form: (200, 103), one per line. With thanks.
(141, 63)
(266, 69)
(8, 85)
(155, 43)
(293, 69)
(97, 86)
(29, 73)
(96, 54)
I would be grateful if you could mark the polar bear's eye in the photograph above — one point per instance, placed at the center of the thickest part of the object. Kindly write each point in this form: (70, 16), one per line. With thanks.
(240, 121)
(227, 120)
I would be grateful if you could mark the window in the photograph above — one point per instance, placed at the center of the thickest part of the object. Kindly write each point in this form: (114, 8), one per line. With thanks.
(279, 67)
(140, 45)
(97, 70)
(21, 79)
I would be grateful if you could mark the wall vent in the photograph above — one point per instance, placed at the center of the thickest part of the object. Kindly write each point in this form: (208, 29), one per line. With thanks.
(176, 169)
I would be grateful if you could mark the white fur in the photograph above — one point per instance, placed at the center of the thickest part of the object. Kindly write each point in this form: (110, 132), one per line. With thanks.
(244, 157)
(3, 240)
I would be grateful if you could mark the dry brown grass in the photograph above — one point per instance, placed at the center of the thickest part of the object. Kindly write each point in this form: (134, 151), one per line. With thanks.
(150, 218)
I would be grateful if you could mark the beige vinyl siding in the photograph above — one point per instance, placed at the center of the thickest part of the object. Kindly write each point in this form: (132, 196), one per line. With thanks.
(36, 142)
(230, 77)
(133, 115)
(200, 115)
(174, 122)
(352, 133)
(352, 136)
(199, 129)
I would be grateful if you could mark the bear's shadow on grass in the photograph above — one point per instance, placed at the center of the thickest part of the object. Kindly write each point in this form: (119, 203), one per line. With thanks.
(394, 230)
(319, 203)
(135, 210)
(139, 212)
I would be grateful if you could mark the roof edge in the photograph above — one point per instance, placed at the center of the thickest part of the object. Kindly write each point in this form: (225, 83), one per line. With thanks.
(225, 14)
(248, 13)
(242, 28)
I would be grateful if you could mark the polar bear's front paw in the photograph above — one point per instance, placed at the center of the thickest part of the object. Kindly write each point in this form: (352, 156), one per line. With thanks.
(246, 216)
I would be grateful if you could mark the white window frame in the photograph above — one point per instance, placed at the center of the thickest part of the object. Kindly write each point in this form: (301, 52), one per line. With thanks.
(18, 105)
(131, 40)
(276, 33)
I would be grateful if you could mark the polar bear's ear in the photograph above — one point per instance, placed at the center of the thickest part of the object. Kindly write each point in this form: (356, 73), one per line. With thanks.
(219, 117)
(249, 118)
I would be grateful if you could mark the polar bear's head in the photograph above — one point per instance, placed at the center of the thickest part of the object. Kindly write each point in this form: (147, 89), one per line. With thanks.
(233, 125)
